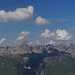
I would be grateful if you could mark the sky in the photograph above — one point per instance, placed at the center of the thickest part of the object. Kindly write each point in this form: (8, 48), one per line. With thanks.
(36, 22)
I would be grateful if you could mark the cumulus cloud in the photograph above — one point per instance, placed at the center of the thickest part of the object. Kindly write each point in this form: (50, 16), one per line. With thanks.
(37, 42)
(60, 35)
(47, 34)
(34, 43)
(2, 40)
(63, 35)
(17, 15)
(41, 21)
(51, 42)
(22, 36)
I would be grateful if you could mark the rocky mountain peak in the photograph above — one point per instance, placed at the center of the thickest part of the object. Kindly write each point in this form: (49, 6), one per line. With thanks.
(62, 47)
(24, 49)
(72, 45)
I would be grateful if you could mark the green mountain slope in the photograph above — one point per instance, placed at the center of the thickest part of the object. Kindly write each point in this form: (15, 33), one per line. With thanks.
(7, 67)
(59, 65)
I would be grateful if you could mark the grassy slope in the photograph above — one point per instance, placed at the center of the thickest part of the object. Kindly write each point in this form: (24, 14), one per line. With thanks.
(7, 67)
(59, 65)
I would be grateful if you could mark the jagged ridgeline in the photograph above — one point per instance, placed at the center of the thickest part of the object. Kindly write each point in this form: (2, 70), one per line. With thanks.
(37, 60)
(8, 67)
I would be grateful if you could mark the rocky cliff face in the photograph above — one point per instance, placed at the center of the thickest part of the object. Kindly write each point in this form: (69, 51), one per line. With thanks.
(71, 49)
(62, 47)
(24, 49)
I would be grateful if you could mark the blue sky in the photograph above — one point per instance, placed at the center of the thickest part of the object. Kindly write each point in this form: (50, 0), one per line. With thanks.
(39, 22)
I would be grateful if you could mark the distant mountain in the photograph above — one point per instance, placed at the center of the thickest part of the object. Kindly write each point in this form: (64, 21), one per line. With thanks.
(24, 49)
(40, 59)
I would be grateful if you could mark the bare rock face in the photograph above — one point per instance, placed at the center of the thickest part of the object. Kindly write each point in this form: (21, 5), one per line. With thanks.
(26, 49)
(5, 50)
(22, 49)
(62, 47)
(71, 49)
(38, 49)
(41, 48)
(49, 48)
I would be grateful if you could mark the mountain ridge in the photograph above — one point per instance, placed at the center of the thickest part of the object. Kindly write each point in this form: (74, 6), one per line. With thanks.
(31, 58)
(24, 49)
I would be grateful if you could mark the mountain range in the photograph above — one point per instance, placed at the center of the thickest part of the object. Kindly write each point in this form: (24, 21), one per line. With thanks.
(40, 59)
(24, 49)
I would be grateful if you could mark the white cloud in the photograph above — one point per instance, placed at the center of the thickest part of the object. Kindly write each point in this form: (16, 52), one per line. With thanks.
(17, 15)
(59, 35)
(41, 21)
(22, 36)
(2, 40)
(47, 34)
(37, 42)
(63, 35)
(51, 42)
(34, 43)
